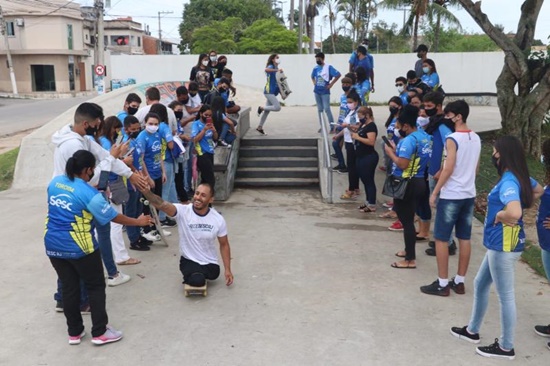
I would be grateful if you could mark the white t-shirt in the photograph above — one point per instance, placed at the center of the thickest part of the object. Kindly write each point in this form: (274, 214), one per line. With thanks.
(462, 182)
(351, 118)
(198, 234)
(172, 120)
(194, 102)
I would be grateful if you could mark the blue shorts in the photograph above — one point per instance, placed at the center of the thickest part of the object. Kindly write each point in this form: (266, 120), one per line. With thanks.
(454, 213)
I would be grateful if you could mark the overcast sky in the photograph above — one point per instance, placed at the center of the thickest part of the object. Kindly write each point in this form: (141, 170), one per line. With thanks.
(505, 12)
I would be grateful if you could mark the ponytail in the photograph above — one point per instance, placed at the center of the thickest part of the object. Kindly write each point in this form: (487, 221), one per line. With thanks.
(82, 159)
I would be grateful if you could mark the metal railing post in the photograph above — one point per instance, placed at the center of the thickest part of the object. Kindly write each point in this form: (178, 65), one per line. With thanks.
(326, 144)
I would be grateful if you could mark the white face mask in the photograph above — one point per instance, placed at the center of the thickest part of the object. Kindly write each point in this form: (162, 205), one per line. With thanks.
(396, 133)
(205, 62)
(213, 58)
(151, 128)
(400, 89)
(422, 121)
(277, 61)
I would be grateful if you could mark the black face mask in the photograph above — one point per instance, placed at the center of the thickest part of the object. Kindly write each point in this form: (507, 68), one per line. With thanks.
(362, 120)
(91, 130)
(403, 133)
(346, 88)
(319, 62)
(222, 90)
(132, 110)
(192, 94)
(133, 135)
(90, 176)
(431, 112)
(179, 115)
(496, 163)
(394, 110)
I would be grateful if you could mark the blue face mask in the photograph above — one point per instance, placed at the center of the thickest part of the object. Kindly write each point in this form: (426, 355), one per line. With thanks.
(426, 70)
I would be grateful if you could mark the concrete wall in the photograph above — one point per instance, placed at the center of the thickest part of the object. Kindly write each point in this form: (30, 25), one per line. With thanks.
(459, 72)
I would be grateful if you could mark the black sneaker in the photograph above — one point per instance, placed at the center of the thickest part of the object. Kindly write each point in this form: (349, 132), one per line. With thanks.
(59, 306)
(334, 156)
(168, 222)
(431, 244)
(543, 330)
(435, 289)
(343, 170)
(145, 241)
(495, 351)
(462, 333)
(261, 131)
(338, 167)
(457, 288)
(259, 111)
(431, 250)
(139, 245)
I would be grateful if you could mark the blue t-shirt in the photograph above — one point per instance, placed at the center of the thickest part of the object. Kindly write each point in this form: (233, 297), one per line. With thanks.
(121, 115)
(438, 146)
(72, 207)
(136, 153)
(106, 144)
(166, 136)
(206, 144)
(271, 86)
(367, 62)
(501, 237)
(344, 110)
(320, 83)
(404, 97)
(431, 79)
(544, 212)
(363, 89)
(150, 145)
(390, 132)
(415, 147)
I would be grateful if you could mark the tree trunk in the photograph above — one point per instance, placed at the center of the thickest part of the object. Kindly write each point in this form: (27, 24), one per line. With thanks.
(332, 35)
(291, 15)
(436, 33)
(311, 34)
(415, 31)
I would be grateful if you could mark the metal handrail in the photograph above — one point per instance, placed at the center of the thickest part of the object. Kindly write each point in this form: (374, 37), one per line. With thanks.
(327, 154)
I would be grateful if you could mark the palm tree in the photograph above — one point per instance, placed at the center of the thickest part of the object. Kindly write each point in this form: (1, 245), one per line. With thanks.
(358, 14)
(312, 10)
(291, 15)
(332, 6)
(439, 7)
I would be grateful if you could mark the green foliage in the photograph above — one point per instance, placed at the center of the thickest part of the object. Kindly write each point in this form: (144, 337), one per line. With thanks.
(386, 39)
(7, 167)
(199, 13)
(451, 40)
(220, 36)
(343, 44)
(267, 36)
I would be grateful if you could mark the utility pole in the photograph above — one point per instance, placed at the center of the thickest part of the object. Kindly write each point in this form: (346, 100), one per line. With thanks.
(99, 54)
(8, 52)
(160, 30)
(300, 24)
(291, 16)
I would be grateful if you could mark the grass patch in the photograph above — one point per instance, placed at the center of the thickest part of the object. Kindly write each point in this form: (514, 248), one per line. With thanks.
(487, 178)
(7, 167)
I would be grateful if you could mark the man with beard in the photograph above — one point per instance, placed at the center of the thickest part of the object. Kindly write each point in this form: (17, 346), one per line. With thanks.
(198, 225)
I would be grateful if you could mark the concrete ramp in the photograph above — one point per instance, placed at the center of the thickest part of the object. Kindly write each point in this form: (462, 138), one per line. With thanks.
(34, 166)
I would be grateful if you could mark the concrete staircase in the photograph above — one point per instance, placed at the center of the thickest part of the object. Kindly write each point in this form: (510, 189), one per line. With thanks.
(278, 162)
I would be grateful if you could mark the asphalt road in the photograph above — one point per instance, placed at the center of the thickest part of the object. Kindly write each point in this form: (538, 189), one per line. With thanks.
(18, 115)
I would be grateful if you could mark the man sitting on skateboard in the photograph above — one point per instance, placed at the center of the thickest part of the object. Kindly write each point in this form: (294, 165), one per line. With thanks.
(198, 227)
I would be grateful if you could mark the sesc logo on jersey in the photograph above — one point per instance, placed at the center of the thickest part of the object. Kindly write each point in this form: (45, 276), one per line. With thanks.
(62, 201)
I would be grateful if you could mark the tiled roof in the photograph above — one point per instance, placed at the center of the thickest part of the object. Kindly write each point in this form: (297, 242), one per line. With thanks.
(41, 8)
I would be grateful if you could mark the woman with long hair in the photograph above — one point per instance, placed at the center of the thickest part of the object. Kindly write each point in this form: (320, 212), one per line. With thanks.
(271, 90)
(504, 239)
(203, 75)
(224, 126)
(348, 126)
(204, 137)
(430, 76)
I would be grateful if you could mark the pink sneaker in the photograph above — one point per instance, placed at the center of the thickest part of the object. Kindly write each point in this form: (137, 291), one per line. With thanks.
(396, 226)
(111, 335)
(76, 339)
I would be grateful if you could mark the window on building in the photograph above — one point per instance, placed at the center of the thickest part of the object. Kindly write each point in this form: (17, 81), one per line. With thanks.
(70, 36)
(139, 41)
(10, 29)
(43, 78)
(119, 40)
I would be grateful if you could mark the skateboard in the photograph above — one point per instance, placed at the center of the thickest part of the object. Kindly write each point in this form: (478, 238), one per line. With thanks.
(190, 290)
(156, 219)
(282, 83)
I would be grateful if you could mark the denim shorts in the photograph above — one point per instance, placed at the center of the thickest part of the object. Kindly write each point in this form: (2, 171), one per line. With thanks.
(454, 213)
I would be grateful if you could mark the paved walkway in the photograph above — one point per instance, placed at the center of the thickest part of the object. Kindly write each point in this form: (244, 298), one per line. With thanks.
(313, 286)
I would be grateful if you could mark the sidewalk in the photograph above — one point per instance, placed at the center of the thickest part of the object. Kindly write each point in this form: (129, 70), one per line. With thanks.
(313, 286)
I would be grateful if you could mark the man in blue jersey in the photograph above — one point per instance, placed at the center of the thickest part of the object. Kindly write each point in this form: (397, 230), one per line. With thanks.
(323, 77)
(131, 106)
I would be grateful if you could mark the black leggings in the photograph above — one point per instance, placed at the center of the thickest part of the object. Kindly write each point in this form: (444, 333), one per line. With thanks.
(195, 274)
(405, 209)
(205, 164)
(366, 167)
(353, 178)
(180, 187)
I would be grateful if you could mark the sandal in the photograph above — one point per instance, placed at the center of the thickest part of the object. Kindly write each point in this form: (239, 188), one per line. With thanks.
(129, 261)
(362, 207)
(369, 209)
(401, 254)
(348, 195)
(388, 215)
(261, 131)
(421, 238)
(403, 265)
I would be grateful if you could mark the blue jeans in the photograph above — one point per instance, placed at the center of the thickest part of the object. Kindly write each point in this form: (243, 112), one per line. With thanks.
(169, 188)
(133, 209)
(431, 184)
(498, 267)
(454, 213)
(323, 104)
(545, 254)
(226, 136)
(188, 169)
(105, 247)
(338, 150)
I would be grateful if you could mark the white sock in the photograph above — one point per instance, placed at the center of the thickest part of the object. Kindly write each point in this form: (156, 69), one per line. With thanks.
(459, 279)
(443, 282)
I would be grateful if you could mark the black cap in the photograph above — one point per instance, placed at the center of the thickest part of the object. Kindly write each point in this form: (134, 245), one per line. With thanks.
(421, 47)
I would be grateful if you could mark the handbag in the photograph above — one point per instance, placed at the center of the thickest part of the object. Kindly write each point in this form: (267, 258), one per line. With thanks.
(396, 187)
(119, 191)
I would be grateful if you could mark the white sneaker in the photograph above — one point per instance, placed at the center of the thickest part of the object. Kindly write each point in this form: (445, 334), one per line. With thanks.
(119, 279)
(151, 236)
(166, 232)
(110, 335)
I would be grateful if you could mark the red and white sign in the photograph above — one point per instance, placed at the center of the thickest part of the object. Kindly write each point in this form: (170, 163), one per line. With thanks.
(99, 70)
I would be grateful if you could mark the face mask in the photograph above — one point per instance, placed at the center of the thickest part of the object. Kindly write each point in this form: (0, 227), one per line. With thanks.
(192, 94)
(418, 55)
(422, 121)
(496, 163)
(351, 106)
(213, 58)
(205, 62)
(277, 61)
(90, 131)
(222, 64)
(397, 133)
(222, 90)
(179, 115)
(133, 135)
(400, 89)
(431, 112)
(403, 133)
(151, 128)
(362, 120)
(426, 70)
(319, 62)
(394, 110)
(346, 88)
(132, 110)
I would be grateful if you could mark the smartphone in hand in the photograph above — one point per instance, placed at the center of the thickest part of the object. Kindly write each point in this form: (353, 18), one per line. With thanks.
(386, 141)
